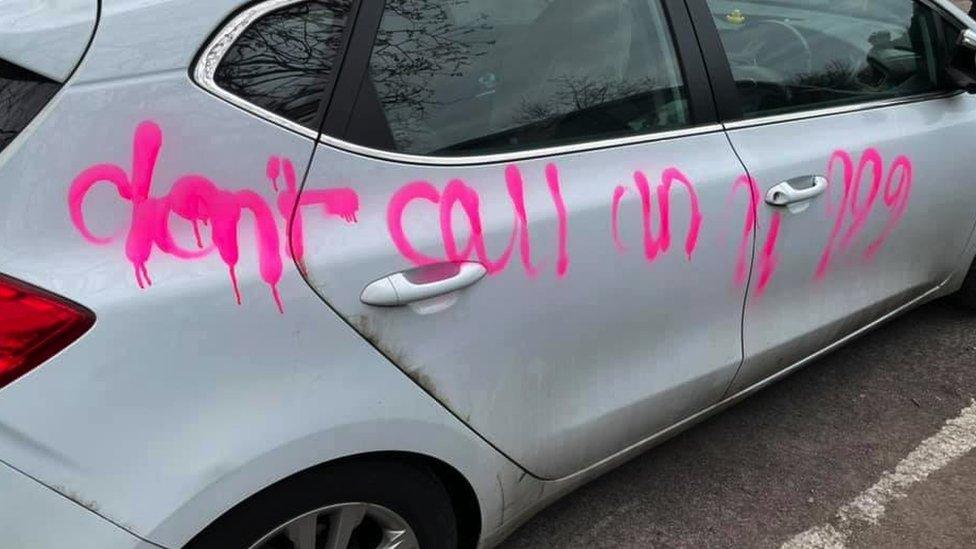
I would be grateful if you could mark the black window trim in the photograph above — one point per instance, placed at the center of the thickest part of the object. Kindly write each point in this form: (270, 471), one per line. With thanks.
(351, 77)
(692, 62)
(347, 84)
(726, 94)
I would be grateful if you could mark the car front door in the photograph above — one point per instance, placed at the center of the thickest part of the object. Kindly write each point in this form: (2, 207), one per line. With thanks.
(561, 148)
(843, 117)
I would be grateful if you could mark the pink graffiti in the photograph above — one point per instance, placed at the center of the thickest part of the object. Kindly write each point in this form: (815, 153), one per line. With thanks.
(743, 259)
(200, 201)
(273, 169)
(552, 180)
(418, 190)
(340, 202)
(457, 193)
(857, 211)
(653, 246)
(515, 186)
(149, 222)
(618, 195)
(896, 200)
(768, 258)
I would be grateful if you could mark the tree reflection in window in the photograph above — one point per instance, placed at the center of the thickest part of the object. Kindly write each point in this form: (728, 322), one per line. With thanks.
(420, 43)
(476, 76)
(282, 61)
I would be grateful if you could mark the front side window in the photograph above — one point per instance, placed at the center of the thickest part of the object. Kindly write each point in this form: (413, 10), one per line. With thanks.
(790, 55)
(22, 95)
(281, 62)
(461, 77)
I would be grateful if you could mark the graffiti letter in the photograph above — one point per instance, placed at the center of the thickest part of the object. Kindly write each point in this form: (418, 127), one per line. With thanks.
(662, 243)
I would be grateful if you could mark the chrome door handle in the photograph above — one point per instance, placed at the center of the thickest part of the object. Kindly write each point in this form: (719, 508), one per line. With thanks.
(406, 287)
(787, 193)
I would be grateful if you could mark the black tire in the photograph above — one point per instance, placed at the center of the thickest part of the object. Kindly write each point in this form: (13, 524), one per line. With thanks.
(411, 491)
(966, 296)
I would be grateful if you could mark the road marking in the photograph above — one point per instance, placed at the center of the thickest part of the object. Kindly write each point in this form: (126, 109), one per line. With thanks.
(956, 438)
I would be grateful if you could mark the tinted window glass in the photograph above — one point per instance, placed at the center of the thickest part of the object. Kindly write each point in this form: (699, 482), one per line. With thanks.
(471, 76)
(789, 55)
(22, 95)
(281, 62)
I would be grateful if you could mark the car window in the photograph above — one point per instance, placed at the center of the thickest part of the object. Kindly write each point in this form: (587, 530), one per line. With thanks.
(22, 95)
(460, 77)
(789, 55)
(281, 62)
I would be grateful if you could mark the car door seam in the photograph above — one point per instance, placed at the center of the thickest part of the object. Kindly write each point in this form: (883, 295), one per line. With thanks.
(752, 266)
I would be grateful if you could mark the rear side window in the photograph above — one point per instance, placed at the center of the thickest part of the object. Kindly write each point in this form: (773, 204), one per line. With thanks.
(282, 60)
(22, 95)
(460, 77)
(791, 55)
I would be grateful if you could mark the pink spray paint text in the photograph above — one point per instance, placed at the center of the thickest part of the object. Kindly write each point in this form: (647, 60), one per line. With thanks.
(456, 192)
(653, 246)
(200, 201)
(855, 212)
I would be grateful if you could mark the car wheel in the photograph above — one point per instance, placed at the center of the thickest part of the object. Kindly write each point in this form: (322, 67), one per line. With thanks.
(373, 504)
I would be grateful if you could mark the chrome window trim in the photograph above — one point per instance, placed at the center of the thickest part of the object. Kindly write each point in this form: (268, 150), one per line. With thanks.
(830, 111)
(213, 53)
(952, 11)
(528, 154)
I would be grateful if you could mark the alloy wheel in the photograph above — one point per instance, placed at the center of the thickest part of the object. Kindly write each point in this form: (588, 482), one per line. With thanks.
(343, 526)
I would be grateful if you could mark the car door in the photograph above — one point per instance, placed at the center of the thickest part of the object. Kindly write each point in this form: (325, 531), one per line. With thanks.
(843, 117)
(560, 148)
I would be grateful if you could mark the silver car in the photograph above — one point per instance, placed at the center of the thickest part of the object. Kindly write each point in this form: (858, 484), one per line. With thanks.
(355, 273)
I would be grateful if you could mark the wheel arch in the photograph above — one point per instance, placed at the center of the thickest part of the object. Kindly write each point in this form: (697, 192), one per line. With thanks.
(470, 470)
(463, 499)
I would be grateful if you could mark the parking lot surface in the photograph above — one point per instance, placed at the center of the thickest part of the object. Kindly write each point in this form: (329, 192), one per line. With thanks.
(867, 447)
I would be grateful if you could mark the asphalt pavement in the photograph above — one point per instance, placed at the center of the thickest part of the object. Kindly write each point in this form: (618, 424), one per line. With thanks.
(872, 443)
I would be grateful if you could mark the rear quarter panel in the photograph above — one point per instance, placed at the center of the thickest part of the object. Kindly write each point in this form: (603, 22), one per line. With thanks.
(180, 403)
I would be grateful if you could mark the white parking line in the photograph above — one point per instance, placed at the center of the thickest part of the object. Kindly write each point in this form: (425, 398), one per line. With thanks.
(956, 438)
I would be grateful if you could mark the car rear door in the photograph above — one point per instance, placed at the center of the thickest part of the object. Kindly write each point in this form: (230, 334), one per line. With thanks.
(842, 115)
(563, 148)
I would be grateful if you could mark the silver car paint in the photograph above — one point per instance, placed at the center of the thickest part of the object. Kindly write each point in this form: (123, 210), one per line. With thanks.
(171, 411)
(46, 36)
(587, 386)
(800, 312)
(33, 515)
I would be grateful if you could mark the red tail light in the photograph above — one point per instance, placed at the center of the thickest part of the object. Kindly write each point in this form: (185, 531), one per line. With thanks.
(34, 326)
